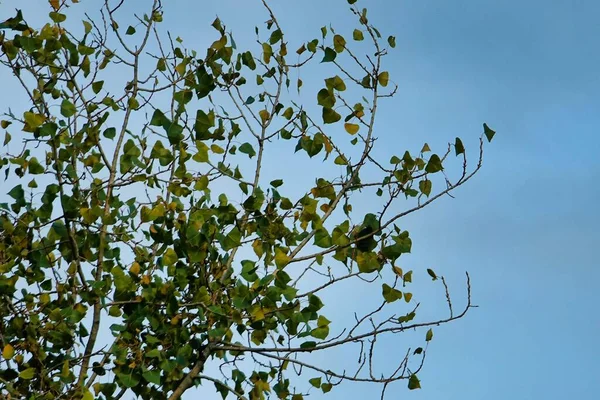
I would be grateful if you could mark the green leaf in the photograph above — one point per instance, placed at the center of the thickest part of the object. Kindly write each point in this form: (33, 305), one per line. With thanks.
(232, 239)
(489, 133)
(154, 353)
(390, 294)
(358, 35)
(429, 335)
(130, 30)
(322, 238)
(110, 133)
(97, 86)
(275, 37)
(413, 382)
(57, 17)
(326, 98)
(336, 83)
(340, 160)
(367, 262)
(247, 148)
(392, 41)
(159, 119)
(326, 387)
(35, 167)
(152, 376)
(320, 333)
(27, 374)
(329, 55)
(276, 183)
(128, 380)
(249, 270)
(330, 116)
(17, 193)
(434, 165)
(67, 109)
(425, 187)
(316, 382)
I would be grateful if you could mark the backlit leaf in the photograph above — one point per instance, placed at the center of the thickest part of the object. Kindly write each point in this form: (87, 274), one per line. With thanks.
(351, 128)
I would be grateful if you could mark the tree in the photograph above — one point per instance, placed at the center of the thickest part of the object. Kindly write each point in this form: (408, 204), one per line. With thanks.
(121, 219)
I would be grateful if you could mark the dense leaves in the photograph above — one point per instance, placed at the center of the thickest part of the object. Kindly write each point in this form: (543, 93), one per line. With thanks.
(143, 209)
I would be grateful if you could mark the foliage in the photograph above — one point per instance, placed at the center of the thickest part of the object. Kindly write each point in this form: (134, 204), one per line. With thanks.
(121, 218)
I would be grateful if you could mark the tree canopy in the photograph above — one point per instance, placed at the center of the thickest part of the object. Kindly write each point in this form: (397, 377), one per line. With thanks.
(152, 199)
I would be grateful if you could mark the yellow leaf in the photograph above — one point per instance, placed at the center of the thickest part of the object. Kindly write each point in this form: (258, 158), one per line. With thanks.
(407, 297)
(55, 4)
(87, 395)
(264, 115)
(398, 271)
(217, 149)
(281, 258)
(8, 352)
(135, 268)
(383, 78)
(175, 320)
(258, 249)
(327, 144)
(425, 148)
(351, 128)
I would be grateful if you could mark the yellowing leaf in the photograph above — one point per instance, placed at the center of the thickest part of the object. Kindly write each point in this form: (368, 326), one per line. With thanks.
(55, 4)
(135, 268)
(351, 128)
(429, 335)
(258, 249)
(146, 280)
(87, 395)
(339, 43)
(217, 149)
(383, 78)
(281, 258)
(170, 257)
(264, 115)
(27, 374)
(8, 352)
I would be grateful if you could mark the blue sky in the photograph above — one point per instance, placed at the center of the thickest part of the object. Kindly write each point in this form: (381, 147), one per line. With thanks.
(526, 225)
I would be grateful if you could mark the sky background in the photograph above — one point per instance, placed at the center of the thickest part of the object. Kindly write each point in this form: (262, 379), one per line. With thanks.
(526, 225)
